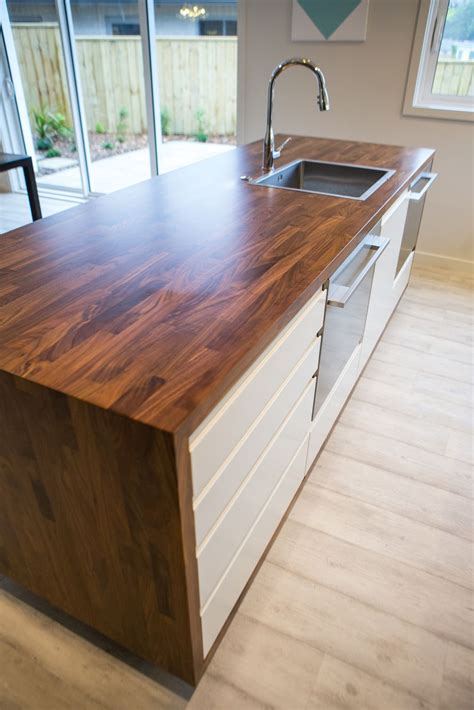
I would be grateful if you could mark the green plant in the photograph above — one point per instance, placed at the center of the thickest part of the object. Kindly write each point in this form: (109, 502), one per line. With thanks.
(50, 126)
(460, 21)
(121, 139)
(165, 121)
(122, 124)
(58, 125)
(201, 133)
(99, 127)
(53, 153)
(108, 145)
(44, 143)
(41, 124)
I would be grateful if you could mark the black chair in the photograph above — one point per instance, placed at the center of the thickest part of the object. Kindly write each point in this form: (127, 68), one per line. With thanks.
(9, 161)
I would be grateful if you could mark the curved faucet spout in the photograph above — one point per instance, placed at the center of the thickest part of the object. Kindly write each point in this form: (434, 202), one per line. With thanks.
(269, 153)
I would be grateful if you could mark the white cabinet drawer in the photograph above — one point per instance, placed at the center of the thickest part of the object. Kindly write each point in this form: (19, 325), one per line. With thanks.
(380, 309)
(215, 438)
(219, 491)
(393, 226)
(222, 601)
(332, 407)
(401, 282)
(218, 549)
(381, 299)
(399, 208)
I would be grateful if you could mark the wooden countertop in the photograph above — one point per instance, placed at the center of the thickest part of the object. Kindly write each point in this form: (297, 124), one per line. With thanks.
(152, 301)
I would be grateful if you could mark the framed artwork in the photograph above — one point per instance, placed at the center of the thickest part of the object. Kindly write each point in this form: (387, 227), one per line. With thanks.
(329, 20)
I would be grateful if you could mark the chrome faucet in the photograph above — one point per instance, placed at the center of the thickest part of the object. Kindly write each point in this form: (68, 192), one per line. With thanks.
(269, 152)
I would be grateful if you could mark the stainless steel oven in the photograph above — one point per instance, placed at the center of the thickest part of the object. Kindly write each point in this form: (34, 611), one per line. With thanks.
(416, 195)
(346, 312)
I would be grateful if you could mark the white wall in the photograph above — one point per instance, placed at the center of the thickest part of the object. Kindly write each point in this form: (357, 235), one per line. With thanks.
(366, 83)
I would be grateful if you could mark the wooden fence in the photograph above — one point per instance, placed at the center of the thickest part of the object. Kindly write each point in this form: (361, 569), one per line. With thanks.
(454, 78)
(195, 74)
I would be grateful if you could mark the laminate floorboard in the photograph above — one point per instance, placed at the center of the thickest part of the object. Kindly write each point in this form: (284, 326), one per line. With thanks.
(377, 579)
(421, 383)
(404, 496)
(438, 470)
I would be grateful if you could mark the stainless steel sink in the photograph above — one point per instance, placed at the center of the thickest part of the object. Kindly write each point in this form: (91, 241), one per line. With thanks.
(356, 182)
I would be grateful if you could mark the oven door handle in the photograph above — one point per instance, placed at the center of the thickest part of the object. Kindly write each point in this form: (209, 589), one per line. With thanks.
(343, 293)
(429, 177)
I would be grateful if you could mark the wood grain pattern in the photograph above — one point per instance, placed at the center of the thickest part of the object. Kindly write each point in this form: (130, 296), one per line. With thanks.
(377, 579)
(428, 504)
(458, 679)
(341, 685)
(91, 520)
(345, 628)
(68, 672)
(376, 529)
(152, 301)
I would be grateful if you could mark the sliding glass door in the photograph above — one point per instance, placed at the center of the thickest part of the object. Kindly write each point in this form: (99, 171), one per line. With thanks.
(109, 55)
(196, 46)
(120, 90)
(37, 41)
(11, 138)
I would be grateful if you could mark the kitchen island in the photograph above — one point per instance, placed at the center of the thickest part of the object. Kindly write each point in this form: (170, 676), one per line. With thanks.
(157, 346)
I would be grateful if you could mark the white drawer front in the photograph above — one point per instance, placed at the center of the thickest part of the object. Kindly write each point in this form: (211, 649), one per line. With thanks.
(382, 300)
(379, 310)
(393, 226)
(401, 282)
(332, 407)
(219, 606)
(215, 438)
(223, 486)
(219, 548)
(398, 208)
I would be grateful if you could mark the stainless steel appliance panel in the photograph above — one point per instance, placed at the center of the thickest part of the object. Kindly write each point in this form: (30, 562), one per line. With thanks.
(347, 305)
(417, 196)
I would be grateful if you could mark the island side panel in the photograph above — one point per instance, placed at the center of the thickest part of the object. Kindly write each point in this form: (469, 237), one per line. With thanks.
(188, 536)
(90, 519)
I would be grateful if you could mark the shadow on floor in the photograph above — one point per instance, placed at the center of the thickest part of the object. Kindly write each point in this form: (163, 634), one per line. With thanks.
(97, 639)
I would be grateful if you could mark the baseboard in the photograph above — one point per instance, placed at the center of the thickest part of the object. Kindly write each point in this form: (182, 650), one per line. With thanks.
(437, 261)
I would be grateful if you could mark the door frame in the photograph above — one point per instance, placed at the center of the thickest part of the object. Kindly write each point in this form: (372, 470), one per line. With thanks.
(23, 140)
(75, 88)
(63, 9)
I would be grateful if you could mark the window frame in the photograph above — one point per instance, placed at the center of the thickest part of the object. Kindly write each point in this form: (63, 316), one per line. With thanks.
(419, 100)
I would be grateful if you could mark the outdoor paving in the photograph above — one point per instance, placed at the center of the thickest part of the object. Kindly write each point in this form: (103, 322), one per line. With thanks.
(120, 171)
(56, 163)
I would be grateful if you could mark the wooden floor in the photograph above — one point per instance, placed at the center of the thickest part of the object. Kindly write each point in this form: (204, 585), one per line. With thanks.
(365, 600)
(15, 210)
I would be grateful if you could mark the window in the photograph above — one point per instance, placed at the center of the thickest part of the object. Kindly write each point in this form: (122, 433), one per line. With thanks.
(88, 82)
(211, 28)
(441, 78)
(125, 28)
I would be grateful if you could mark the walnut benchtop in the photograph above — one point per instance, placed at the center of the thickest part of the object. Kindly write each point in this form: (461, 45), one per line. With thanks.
(153, 300)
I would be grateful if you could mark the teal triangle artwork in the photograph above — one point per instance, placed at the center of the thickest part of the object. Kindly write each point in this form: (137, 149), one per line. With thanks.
(328, 15)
